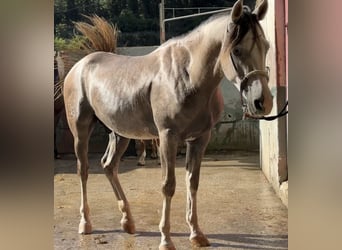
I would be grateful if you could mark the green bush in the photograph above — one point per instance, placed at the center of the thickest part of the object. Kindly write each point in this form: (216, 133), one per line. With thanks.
(68, 44)
(60, 44)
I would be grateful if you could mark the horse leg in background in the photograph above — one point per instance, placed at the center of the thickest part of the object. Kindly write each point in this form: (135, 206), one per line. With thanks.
(168, 151)
(140, 147)
(110, 163)
(154, 148)
(181, 148)
(194, 154)
(58, 106)
(59, 111)
(108, 131)
(55, 150)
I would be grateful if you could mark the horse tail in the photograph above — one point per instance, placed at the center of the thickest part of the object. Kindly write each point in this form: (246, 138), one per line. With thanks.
(98, 35)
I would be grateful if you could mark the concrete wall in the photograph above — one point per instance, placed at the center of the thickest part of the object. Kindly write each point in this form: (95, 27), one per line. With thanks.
(231, 133)
(227, 135)
(273, 155)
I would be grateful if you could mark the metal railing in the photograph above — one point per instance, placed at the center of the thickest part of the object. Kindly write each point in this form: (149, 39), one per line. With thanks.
(163, 20)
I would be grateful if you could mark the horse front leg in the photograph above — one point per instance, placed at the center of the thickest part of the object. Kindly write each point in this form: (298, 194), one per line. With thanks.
(110, 163)
(168, 151)
(194, 154)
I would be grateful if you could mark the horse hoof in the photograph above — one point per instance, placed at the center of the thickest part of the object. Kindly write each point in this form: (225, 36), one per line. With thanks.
(199, 241)
(128, 227)
(84, 228)
(140, 164)
(167, 247)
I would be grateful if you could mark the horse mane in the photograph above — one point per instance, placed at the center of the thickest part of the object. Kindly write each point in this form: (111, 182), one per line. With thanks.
(248, 21)
(197, 29)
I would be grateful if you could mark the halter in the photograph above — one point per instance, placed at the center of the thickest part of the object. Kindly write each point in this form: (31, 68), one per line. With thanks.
(246, 80)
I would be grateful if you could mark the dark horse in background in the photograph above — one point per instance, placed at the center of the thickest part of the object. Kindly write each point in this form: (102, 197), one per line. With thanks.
(59, 109)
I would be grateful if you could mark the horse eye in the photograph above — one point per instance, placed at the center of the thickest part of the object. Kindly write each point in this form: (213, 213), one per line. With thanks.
(237, 52)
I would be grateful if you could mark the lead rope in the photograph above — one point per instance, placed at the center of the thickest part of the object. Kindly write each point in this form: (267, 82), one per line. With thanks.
(270, 118)
(244, 83)
(283, 112)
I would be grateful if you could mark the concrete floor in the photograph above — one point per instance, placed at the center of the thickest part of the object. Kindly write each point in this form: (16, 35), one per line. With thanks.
(237, 207)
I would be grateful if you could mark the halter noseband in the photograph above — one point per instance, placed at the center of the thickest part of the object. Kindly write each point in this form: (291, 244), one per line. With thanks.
(245, 78)
(245, 81)
(254, 74)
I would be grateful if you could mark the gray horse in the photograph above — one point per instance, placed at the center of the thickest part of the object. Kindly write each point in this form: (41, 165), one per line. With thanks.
(172, 94)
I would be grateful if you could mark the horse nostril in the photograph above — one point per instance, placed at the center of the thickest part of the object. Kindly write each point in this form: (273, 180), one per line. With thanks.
(258, 105)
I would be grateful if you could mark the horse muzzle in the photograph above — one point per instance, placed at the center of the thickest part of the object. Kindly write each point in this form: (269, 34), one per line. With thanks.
(256, 98)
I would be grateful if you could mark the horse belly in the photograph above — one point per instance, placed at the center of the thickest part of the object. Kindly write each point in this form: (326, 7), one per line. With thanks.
(127, 114)
(135, 129)
(134, 124)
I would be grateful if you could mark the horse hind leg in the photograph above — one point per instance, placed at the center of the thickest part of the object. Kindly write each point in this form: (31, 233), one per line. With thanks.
(110, 163)
(81, 120)
(81, 130)
(195, 151)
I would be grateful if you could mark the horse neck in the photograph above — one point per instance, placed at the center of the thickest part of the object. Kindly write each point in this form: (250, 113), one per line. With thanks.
(205, 45)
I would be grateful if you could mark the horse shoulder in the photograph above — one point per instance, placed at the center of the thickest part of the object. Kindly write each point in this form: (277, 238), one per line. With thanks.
(175, 60)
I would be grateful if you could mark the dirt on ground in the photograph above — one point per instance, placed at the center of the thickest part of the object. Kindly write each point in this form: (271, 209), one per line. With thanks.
(237, 207)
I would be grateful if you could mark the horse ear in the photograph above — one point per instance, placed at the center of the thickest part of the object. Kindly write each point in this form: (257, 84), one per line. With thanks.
(261, 10)
(237, 11)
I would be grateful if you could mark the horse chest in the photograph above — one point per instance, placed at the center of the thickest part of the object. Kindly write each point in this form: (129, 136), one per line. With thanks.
(207, 115)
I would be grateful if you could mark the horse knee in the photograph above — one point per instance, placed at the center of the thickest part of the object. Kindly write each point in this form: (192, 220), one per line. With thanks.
(82, 170)
(169, 187)
(108, 169)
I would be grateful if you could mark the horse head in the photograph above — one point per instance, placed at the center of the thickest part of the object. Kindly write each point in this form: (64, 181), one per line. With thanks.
(243, 55)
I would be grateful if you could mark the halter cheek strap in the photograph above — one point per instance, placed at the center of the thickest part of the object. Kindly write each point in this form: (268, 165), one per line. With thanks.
(237, 70)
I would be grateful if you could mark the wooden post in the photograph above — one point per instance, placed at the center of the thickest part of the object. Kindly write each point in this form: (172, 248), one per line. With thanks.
(161, 21)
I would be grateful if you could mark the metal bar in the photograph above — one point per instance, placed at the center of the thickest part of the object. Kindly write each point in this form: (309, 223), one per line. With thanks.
(161, 22)
(226, 122)
(194, 15)
(195, 8)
